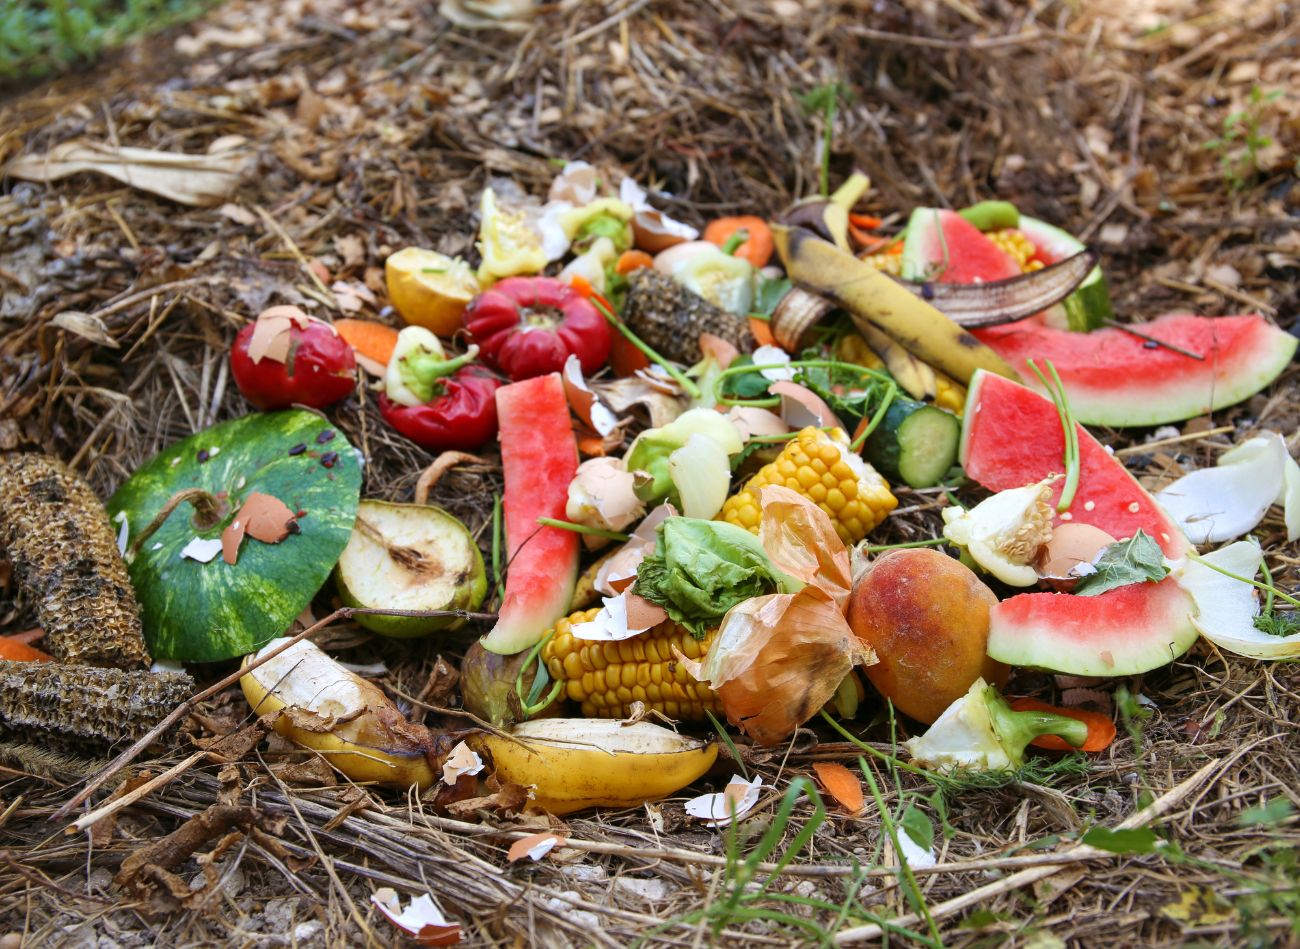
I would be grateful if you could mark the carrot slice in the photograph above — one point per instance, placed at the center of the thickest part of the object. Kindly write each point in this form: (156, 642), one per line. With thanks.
(761, 331)
(16, 650)
(840, 783)
(370, 339)
(868, 222)
(758, 245)
(1101, 730)
(631, 260)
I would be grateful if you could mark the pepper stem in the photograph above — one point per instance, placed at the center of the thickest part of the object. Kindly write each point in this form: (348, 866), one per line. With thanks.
(1017, 729)
(208, 510)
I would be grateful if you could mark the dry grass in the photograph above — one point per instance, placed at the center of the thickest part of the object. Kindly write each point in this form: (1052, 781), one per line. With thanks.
(1096, 121)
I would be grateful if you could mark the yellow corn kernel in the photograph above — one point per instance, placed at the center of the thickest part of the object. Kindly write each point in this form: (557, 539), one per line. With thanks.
(819, 466)
(607, 677)
(853, 348)
(886, 263)
(949, 394)
(1014, 242)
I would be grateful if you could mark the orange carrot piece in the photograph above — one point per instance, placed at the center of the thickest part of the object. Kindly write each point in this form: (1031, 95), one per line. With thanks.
(1101, 730)
(15, 650)
(370, 339)
(591, 446)
(758, 245)
(868, 222)
(865, 240)
(761, 331)
(841, 784)
(631, 260)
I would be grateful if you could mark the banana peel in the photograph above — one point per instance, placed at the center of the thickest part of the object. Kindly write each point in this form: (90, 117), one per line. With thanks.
(829, 217)
(915, 377)
(577, 763)
(320, 705)
(872, 299)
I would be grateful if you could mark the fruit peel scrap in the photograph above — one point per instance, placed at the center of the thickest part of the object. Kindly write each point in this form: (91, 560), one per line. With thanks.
(1218, 504)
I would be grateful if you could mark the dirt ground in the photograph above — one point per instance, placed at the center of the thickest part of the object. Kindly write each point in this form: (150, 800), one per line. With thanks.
(1147, 127)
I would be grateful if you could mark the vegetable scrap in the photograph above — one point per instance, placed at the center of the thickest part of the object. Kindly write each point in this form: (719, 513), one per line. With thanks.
(697, 441)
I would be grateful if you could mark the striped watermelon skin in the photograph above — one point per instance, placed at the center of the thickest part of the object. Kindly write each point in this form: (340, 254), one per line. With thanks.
(1012, 436)
(1124, 631)
(206, 612)
(1117, 379)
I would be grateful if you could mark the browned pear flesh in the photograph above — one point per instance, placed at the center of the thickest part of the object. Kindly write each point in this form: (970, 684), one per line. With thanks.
(927, 617)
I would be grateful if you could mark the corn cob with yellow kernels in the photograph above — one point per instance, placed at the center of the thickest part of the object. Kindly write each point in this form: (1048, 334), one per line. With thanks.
(605, 678)
(1018, 246)
(820, 466)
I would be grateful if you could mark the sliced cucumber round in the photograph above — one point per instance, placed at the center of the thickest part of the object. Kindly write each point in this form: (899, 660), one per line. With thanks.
(915, 443)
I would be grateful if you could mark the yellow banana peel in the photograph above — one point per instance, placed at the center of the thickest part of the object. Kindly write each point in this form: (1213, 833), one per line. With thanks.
(873, 299)
(320, 705)
(577, 763)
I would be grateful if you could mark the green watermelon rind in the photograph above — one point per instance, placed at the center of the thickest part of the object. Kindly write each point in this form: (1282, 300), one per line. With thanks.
(1125, 631)
(207, 612)
(924, 228)
(1089, 306)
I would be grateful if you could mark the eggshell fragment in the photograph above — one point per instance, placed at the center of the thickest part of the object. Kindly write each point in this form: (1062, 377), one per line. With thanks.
(1071, 544)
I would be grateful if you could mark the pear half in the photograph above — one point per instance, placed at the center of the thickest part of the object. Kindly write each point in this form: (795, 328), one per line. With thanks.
(410, 557)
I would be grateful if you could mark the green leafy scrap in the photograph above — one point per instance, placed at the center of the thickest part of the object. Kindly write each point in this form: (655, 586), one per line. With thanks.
(1278, 624)
(1136, 560)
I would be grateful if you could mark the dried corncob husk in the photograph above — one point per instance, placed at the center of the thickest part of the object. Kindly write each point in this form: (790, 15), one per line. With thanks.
(65, 559)
(84, 708)
(671, 318)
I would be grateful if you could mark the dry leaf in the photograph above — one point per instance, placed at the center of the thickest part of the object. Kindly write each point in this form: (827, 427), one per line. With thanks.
(87, 326)
(623, 395)
(534, 847)
(199, 180)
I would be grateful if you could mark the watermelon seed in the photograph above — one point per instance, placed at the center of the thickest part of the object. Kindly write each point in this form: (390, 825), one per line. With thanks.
(329, 458)
(203, 455)
(298, 449)
(1151, 344)
(325, 436)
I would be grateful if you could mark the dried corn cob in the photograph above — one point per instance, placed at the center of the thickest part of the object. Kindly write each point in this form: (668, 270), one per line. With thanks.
(671, 318)
(820, 466)
(84, 707)
(607, 677)
(65, 557)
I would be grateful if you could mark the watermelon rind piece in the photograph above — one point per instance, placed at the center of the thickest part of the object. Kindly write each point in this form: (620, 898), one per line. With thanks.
(1089, 306)
(1011, 436)
(1125, 631)
(206, 612)
(941, 246)
(1116, 379)
(539, 457)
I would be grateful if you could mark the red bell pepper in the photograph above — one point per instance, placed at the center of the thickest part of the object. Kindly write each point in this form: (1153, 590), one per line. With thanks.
(286, 357)
(438, 403)
(529, 326)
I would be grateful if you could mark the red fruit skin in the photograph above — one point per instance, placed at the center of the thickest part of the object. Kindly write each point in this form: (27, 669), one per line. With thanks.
(529, 326)
(462, 418)
(319, 370)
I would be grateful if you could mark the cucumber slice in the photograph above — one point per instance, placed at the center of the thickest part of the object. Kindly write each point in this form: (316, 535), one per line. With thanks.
(1089, 306)
(915, 443)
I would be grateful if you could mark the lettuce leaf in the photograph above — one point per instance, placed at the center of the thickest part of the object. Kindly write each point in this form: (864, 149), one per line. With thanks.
(701, 569)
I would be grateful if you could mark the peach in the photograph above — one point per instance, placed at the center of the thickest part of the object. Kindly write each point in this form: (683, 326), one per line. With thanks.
(927, 617)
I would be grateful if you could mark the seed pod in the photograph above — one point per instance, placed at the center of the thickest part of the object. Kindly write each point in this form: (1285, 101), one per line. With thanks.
(84, 708)
(671, 318)
(65, 558)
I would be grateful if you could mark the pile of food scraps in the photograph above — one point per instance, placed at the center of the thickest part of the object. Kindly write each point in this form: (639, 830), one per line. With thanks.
(699, 442)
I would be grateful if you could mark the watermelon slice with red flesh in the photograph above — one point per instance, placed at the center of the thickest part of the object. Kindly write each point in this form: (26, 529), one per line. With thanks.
(539, 457)
(941, 246)
(1115, 378)
(1012, 436)
(1124, 631)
